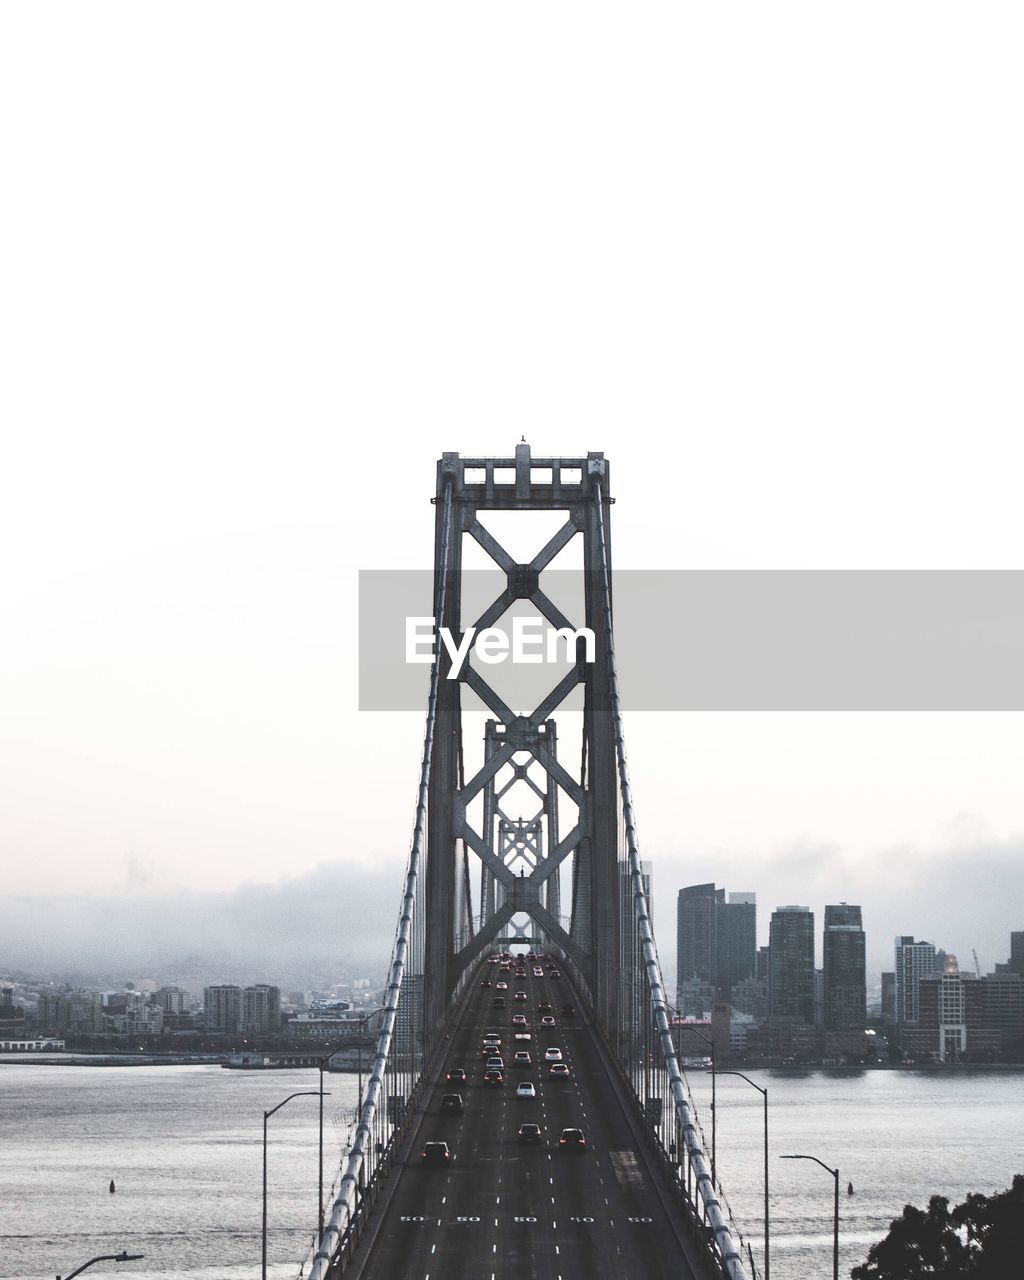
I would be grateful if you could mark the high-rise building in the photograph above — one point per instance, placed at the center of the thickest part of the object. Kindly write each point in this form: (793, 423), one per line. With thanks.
(697, 935)
(845, 990)
(261, 1010)
(222, 1007)
(914, 961)
(889, 998)
(737, 942)
(1017, 952)
(791, 965)
(716, 939)
(172, 999)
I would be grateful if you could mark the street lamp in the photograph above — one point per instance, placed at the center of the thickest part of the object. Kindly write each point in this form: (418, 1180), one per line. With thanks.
(710, 1040)
(123, 1256)
(302, 1093)
(835, 1210)
(764, 1093)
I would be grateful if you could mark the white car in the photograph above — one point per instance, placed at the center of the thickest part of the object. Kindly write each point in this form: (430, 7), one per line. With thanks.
(526, 1090)
(552, 1055)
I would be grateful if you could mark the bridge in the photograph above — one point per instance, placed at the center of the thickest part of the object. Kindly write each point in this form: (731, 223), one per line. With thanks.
(525, 912)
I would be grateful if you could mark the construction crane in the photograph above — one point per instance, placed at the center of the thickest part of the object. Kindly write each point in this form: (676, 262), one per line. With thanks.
(977, 967)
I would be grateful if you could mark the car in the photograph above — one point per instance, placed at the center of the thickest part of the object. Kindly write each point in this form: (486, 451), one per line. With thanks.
(490, 1041)
(538, 972)
(554, 974)
(457, 1075)
(502, 986)
(522, 1035)
(558, 1071)
(547, 1021)
(435, 1153)
(486, 982)
(572, 1140)
(494, 1063)
(522, 1059)
(568, 1011)
(526, 1090)
(545, 1006)
(452, 1105)
(519, 1020)
(520, 995)
(499, 1002)
(553, 1054)
(493, 1077)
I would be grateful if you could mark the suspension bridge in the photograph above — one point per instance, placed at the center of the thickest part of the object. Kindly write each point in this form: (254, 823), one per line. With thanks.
(534, 929)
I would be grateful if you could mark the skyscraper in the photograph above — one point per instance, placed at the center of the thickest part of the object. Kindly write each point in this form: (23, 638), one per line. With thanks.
(914, 961)
(716, 939)
(791, 965)
(697, 935)
(845, 994)
(737, 942)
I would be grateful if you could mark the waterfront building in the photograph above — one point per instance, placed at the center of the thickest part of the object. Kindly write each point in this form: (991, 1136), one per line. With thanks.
(716, 938)
(791, 965)
(737, 941)
(222, 1006)
(914, 961)
(845, 976)
(261, 1010)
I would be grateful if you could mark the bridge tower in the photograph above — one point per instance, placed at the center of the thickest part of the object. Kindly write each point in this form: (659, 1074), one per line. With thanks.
(521, 737)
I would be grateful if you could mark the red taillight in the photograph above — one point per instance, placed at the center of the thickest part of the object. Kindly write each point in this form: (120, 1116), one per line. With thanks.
(561, 1142)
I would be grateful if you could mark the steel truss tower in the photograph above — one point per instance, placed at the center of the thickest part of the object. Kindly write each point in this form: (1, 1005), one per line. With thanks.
(465, 488)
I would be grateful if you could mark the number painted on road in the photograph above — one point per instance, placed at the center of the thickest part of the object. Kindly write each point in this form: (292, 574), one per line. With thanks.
(467, 1219)
(639, 1219)
(581, 1219)
(527, 1218)
(411, 1218)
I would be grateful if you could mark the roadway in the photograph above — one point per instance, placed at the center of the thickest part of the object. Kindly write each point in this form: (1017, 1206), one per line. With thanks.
(505, 1211)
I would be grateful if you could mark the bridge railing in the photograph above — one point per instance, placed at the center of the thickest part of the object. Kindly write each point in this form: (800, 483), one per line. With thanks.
(642, 1039)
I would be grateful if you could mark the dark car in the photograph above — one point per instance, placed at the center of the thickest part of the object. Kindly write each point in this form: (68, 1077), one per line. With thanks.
(457, 1075)
(499, 1002)
(486, 982)
(451, 1104)
(545, 1006)
(531, 1134)
(435, 1153)
(568, 1011)
(494, 1077)
(572, 1140)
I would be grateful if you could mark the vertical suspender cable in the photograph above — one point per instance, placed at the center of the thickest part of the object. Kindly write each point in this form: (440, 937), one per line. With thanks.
(345, 1203)
(732, 1260)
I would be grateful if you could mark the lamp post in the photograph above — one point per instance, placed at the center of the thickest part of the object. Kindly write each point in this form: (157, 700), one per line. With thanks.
(302, 1093)
(835, 1210)
(709, 1040)
(123, 1256)
(764, 1094)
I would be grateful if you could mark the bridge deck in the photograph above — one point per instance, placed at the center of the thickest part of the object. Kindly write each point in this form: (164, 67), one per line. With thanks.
(505, 1211)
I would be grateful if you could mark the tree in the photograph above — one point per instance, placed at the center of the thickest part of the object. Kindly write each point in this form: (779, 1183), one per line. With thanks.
(994, 1226)
(919, 1244)
(982, 1239)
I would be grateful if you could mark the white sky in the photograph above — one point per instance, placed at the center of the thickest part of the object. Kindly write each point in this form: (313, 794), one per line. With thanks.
(261, 264)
